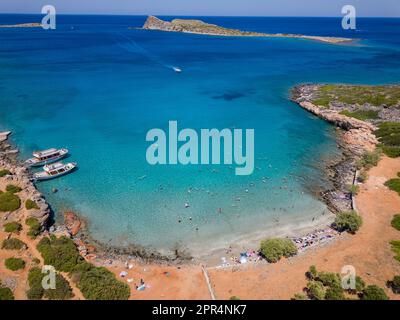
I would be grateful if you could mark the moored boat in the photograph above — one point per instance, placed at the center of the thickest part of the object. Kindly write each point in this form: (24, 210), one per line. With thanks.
(54, 170)
(41, 158)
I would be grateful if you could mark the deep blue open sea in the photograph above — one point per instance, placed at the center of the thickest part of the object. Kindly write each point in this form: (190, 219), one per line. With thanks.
(97, 87)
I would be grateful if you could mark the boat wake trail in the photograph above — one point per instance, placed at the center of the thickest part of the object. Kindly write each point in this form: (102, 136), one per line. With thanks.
(130, 45)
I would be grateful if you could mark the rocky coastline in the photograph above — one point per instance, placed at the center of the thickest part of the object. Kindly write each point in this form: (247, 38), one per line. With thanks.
(200, 27)
(355, 137)
(20, 174)
(73, 226)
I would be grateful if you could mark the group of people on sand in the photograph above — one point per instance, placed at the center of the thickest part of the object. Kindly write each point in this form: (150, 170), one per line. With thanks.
(317, 237)
(142, 285)
(244, 257)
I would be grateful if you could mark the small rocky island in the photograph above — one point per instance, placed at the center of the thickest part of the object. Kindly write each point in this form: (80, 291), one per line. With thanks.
(200, 27)
(22, 25)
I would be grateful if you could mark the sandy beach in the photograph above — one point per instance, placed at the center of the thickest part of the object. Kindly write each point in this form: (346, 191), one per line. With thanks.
(368, 251)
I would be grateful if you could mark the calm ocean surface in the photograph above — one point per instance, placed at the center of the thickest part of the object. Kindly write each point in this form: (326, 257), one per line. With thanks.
(97, 87)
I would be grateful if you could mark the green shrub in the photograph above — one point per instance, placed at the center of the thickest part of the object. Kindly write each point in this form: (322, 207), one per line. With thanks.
(329, 279)
(100, 284)
(4, 172)
(35, 293)
(9, 201)
(396, 249)
(393, 184)
(369, 159)
(62, 291)
(30, 204)
(6, 293)
(392, 152)
(316, 290)
(396, 222)
(354, 189)
(361, 114)
(347, 221)
(274, 249)
(312, 273)
(334, 293)
(388, 135)
(12, 244)
(14, 264)
(36, 290)
(12, 227)
(300, 296)
(13, 188)
(79, 269)
(61, 253)
(363, 176)
(234, 298)
(360, 284)
(374, 292)
(395, 284)
(34, 226)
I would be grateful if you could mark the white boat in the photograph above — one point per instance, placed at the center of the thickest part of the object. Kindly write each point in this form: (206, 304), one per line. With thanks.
(54, 170)
(176, 69)
(41, 158)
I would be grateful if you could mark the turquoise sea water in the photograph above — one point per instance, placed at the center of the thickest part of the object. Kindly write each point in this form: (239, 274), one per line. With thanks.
(97, 87)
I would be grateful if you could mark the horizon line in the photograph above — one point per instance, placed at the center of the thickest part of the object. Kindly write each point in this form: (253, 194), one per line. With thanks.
(190, 15)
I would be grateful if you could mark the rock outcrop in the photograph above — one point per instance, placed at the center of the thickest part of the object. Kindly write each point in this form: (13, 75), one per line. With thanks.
(201, 27)
(356, 138)
(21, 177)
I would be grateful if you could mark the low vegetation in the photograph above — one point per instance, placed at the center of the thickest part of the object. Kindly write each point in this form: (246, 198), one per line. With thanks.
(34, 227)
(396, 222)
(5, 293)
(361, 114)
(12, 227)
(396, 249)
(388, 135)
(14, 264)
(95, 283)
(393, 184)
(62, 290)
(354, 189)
(13, 188)
(9, 201)
(98, 283)
(394, 284)
(363, 176)
(349, 94)
(13, 244)
(61, 253)
(373, 292)
(30, 204)
(347, 221)
(369, 159)
(4, 172)
(274, 249)
(328, 286)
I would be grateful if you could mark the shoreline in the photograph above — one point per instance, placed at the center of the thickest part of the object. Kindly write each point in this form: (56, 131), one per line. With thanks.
(199, 27)
(340, 172)
(188, 271)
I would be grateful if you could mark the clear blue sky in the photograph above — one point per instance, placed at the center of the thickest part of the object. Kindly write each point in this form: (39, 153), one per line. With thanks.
(374, 8)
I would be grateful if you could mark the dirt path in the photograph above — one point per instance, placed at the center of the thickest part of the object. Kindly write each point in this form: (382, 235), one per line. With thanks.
(368, 251)
(27, 255)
